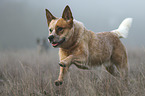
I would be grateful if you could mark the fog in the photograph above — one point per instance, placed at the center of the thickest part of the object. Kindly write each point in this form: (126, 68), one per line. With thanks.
(22, 21)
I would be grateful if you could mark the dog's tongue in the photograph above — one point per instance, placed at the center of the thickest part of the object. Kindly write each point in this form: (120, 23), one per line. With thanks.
(55, 44)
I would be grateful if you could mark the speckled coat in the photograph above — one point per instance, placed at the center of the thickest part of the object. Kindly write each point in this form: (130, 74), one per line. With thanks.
(84, 48)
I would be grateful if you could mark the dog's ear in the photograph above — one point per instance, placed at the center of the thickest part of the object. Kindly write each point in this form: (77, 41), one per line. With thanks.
(49, 16)
(67, 14)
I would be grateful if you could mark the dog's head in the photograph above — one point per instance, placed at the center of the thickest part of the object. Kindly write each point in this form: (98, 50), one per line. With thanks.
(60, 29)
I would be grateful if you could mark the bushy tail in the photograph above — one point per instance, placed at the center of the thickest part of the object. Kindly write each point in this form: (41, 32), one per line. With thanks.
(124, 27)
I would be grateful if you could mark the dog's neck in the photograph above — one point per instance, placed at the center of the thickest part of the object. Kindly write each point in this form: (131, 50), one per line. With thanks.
(75, 39)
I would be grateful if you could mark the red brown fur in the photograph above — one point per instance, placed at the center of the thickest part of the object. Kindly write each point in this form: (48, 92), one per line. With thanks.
(84, 48)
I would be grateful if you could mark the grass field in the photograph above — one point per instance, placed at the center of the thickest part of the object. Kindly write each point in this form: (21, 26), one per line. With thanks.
(27, 73)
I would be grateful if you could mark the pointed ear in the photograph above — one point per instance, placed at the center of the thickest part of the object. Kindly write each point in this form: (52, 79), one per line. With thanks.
(67, 14)
(49, 16)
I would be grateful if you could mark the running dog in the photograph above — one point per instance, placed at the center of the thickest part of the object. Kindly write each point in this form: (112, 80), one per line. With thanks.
(84, 48)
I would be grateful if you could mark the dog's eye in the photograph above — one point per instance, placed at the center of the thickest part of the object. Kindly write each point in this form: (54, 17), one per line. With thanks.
(50, 30)
(59, 28)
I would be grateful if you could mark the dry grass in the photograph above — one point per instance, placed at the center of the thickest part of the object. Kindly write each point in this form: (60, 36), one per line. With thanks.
(25, 73)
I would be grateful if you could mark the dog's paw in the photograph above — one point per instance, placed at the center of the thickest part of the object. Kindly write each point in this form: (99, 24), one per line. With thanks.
(62, 65)
(58, 83)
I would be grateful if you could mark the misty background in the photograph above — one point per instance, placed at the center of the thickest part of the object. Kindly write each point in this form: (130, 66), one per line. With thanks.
(22, 21)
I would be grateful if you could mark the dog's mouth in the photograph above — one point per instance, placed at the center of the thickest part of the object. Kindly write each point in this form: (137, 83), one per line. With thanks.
(55, 44)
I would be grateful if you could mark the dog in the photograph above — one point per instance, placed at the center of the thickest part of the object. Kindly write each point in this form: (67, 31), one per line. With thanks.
(87, 49)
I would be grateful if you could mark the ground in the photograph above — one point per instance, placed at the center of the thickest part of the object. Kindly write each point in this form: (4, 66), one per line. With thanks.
(27, 73)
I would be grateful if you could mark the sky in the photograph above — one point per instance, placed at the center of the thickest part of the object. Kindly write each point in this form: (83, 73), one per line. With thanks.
(23, 21)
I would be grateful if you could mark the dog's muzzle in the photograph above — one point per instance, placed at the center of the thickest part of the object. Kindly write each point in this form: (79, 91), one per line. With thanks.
(55, 44)
(51, 38)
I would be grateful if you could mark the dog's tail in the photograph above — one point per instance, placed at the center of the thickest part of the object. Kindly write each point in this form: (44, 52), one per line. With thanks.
(123, 28)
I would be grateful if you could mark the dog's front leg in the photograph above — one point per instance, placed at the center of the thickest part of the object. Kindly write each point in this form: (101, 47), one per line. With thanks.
(64, 66)
(79, 61)
(63, 71)
(66, 62)
(81, 65)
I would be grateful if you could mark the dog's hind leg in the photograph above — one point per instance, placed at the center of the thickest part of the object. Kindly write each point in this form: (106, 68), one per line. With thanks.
(111, 70)
(119, 59)
(123, 70)
(122, 67)
(120, 72)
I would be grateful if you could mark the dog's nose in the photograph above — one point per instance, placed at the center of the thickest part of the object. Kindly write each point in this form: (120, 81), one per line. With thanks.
(51, 38)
